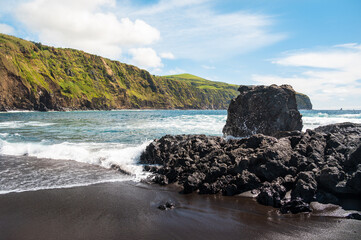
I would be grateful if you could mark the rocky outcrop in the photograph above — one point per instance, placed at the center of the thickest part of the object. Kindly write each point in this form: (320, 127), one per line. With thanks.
(322, 164)
(303, 101)
(262, 109)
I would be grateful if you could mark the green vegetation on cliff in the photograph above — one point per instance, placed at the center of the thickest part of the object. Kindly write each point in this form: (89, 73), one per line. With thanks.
(303, 101)
(39, 77)
(34, 76)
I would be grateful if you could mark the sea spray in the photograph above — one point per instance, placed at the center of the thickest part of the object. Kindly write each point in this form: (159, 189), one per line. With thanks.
(20, 124)
(102, 154)
(314, 118)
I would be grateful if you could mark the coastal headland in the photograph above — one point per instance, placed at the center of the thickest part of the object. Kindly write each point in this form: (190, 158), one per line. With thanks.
(43, 78)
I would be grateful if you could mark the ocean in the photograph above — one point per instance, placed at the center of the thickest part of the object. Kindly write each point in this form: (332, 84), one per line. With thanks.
(46, 150)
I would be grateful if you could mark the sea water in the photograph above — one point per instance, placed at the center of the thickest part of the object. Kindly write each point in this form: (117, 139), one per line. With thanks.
(62, 149)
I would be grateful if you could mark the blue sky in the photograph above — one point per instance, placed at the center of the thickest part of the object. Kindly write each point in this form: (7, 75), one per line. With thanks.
(314, 45)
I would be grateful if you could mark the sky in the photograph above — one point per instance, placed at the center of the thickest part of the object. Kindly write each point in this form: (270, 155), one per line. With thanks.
(313, 45)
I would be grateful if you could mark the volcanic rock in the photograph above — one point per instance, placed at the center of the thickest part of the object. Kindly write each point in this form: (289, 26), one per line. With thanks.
(295, 206)
(320, 164)
(263, 109)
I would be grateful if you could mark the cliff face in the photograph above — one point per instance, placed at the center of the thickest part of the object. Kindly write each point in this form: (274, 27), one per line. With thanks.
(303, 101)
(38, 77)
(34, 76)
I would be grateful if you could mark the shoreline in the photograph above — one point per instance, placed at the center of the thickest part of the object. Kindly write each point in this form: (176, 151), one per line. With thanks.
(129, 210)
(149, 109)
(153, 109)
(115, 109)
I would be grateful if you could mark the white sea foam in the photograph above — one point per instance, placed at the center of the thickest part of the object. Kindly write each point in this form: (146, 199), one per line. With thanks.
(101, 154)
(208, 124)
(18, 111)
(329, 210)
(64, 186)
(313, 122)
(20, 124)
(4, 135)
(348, 115)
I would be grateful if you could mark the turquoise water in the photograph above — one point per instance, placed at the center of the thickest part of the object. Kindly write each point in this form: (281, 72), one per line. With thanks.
(129, 127)
(315, 118)
(59, 149)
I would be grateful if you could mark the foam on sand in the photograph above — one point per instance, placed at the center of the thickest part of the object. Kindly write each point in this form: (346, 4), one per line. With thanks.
(100, 154)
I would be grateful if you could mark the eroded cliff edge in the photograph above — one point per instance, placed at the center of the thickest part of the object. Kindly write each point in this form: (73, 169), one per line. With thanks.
(38, 77)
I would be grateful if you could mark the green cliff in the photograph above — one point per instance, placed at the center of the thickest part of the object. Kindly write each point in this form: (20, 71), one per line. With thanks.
(303, 101)
(38, 77)
(34, 76)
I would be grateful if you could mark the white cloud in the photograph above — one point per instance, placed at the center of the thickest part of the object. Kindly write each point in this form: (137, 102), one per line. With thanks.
(168, 5)
(145, 58)
(193, 30)
(167, 55)
(86, 25)
(176, 71)
(326, 76)
(4, 28)
(208, 67)
(190, 29)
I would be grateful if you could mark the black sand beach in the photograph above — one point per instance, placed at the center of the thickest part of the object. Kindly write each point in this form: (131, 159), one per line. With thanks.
(127, 210)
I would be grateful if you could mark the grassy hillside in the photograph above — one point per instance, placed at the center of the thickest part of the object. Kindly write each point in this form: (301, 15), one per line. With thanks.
(38, 77)
(303, 101)
(202, 83)
(35, 76)
(217, 93)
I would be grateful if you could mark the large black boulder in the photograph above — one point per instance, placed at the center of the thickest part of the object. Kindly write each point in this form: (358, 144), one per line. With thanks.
(263, 109)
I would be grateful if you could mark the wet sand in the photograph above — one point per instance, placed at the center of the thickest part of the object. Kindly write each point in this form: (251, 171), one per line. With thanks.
(127, 210)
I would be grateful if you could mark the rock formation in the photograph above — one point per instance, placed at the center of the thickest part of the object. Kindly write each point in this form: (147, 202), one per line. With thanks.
(303, 101)
(322, 164)
(262, 109)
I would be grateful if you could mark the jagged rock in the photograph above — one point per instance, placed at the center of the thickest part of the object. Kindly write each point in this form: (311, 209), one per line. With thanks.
(160, 179)
(355, 216)
(334, 180)
(318, 165)
(166, 206)
(247, 181)
(193, 181)
(271, 195)
(295, 206)
(118, 168)
(355, 181)
(305, 188)
(355, 158)
(303, 101)
(262, 109)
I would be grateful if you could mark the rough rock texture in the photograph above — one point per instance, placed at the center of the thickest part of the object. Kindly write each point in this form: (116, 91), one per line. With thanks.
(263, 109)
(321, 164)
(303, 101)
